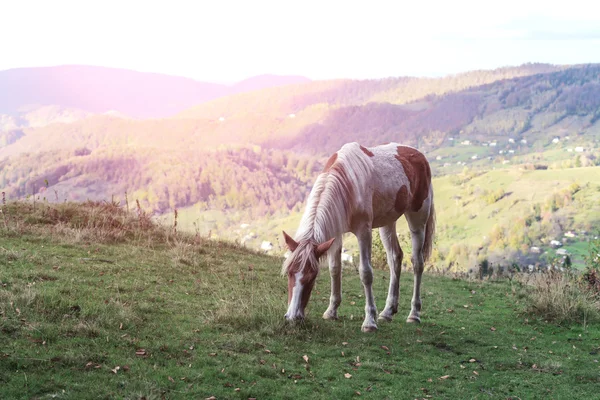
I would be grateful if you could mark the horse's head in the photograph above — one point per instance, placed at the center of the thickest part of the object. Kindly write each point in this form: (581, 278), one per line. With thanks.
(302, 268)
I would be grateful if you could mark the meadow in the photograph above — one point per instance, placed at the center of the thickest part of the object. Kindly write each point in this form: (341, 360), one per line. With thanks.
(96, 303)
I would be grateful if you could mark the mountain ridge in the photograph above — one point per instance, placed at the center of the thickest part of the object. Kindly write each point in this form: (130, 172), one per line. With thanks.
(96, 90)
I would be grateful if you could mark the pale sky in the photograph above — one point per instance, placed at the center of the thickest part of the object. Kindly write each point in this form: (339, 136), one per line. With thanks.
(227, 40)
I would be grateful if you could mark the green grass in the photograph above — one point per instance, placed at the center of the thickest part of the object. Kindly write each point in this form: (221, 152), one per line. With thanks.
(184, 317)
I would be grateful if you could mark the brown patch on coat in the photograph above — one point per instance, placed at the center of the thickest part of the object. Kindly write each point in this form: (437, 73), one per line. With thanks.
(401, 203)
(306, 291)
(330, 162)
(367, 151)
(418, 172)
(291, 284)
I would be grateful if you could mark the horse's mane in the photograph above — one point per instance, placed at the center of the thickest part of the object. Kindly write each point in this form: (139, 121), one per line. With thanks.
(331, 203)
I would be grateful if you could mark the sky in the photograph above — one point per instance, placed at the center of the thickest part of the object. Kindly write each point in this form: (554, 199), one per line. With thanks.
(226, 41)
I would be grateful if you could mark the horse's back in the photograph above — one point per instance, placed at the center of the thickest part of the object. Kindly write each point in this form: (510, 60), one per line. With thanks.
(400, 181)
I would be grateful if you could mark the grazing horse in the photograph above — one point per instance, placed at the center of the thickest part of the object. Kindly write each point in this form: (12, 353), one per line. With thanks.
(360, 189)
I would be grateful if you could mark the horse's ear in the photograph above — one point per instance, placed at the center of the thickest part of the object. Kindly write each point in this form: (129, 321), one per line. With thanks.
(291, 243)
(323, 247)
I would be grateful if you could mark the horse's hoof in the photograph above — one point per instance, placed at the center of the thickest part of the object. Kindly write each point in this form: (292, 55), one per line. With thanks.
(413, 320)
(385, 318)
(369, 328)
(332, 317)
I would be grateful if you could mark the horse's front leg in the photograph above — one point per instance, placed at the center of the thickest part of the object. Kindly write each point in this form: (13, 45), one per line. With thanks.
(364, 236)
(335, 270)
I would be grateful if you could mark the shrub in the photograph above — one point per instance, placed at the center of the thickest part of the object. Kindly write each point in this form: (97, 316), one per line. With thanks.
(591, 275)
(562, 297)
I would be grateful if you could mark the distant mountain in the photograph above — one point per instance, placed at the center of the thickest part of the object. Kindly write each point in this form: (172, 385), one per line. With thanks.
(98, 90)
(266, 81)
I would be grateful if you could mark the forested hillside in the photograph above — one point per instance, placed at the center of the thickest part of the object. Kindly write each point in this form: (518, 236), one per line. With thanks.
(263, 181)
(257, 154)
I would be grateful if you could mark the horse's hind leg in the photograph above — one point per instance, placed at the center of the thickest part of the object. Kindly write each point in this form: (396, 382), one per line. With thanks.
(417, 222)
(394, 260)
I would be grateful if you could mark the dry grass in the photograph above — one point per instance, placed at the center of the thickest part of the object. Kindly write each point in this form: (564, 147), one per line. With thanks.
(561, 298)
(89, 222)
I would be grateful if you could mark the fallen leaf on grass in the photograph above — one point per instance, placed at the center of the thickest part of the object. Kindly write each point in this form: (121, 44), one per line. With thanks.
(347, 375)
(171, 379)
(472, 360)
(211, 398)
(444, 377)
(117, 368)
(212, 354)
(140, 352)
(305, 358)
(476, 373)
(344, 343)
(492, 329)
(385, 348)
(357, 393)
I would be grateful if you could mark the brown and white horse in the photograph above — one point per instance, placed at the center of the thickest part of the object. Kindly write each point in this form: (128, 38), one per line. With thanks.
(358, 190)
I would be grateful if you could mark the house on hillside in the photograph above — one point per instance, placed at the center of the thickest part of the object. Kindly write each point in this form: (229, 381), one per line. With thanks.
(555, 243)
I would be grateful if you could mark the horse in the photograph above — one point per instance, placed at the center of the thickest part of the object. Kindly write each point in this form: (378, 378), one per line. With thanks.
(360, 189)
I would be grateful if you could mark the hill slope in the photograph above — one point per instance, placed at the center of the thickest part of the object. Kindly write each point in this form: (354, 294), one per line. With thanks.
(96, 303)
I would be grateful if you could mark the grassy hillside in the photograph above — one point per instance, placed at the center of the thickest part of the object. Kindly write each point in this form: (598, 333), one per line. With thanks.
(98, 303)
(497, 215)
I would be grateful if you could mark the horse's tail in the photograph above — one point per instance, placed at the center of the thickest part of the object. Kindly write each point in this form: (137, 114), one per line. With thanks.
(429, 229)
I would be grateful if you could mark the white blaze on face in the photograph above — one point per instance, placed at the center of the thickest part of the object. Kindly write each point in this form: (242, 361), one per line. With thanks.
(294, 308)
